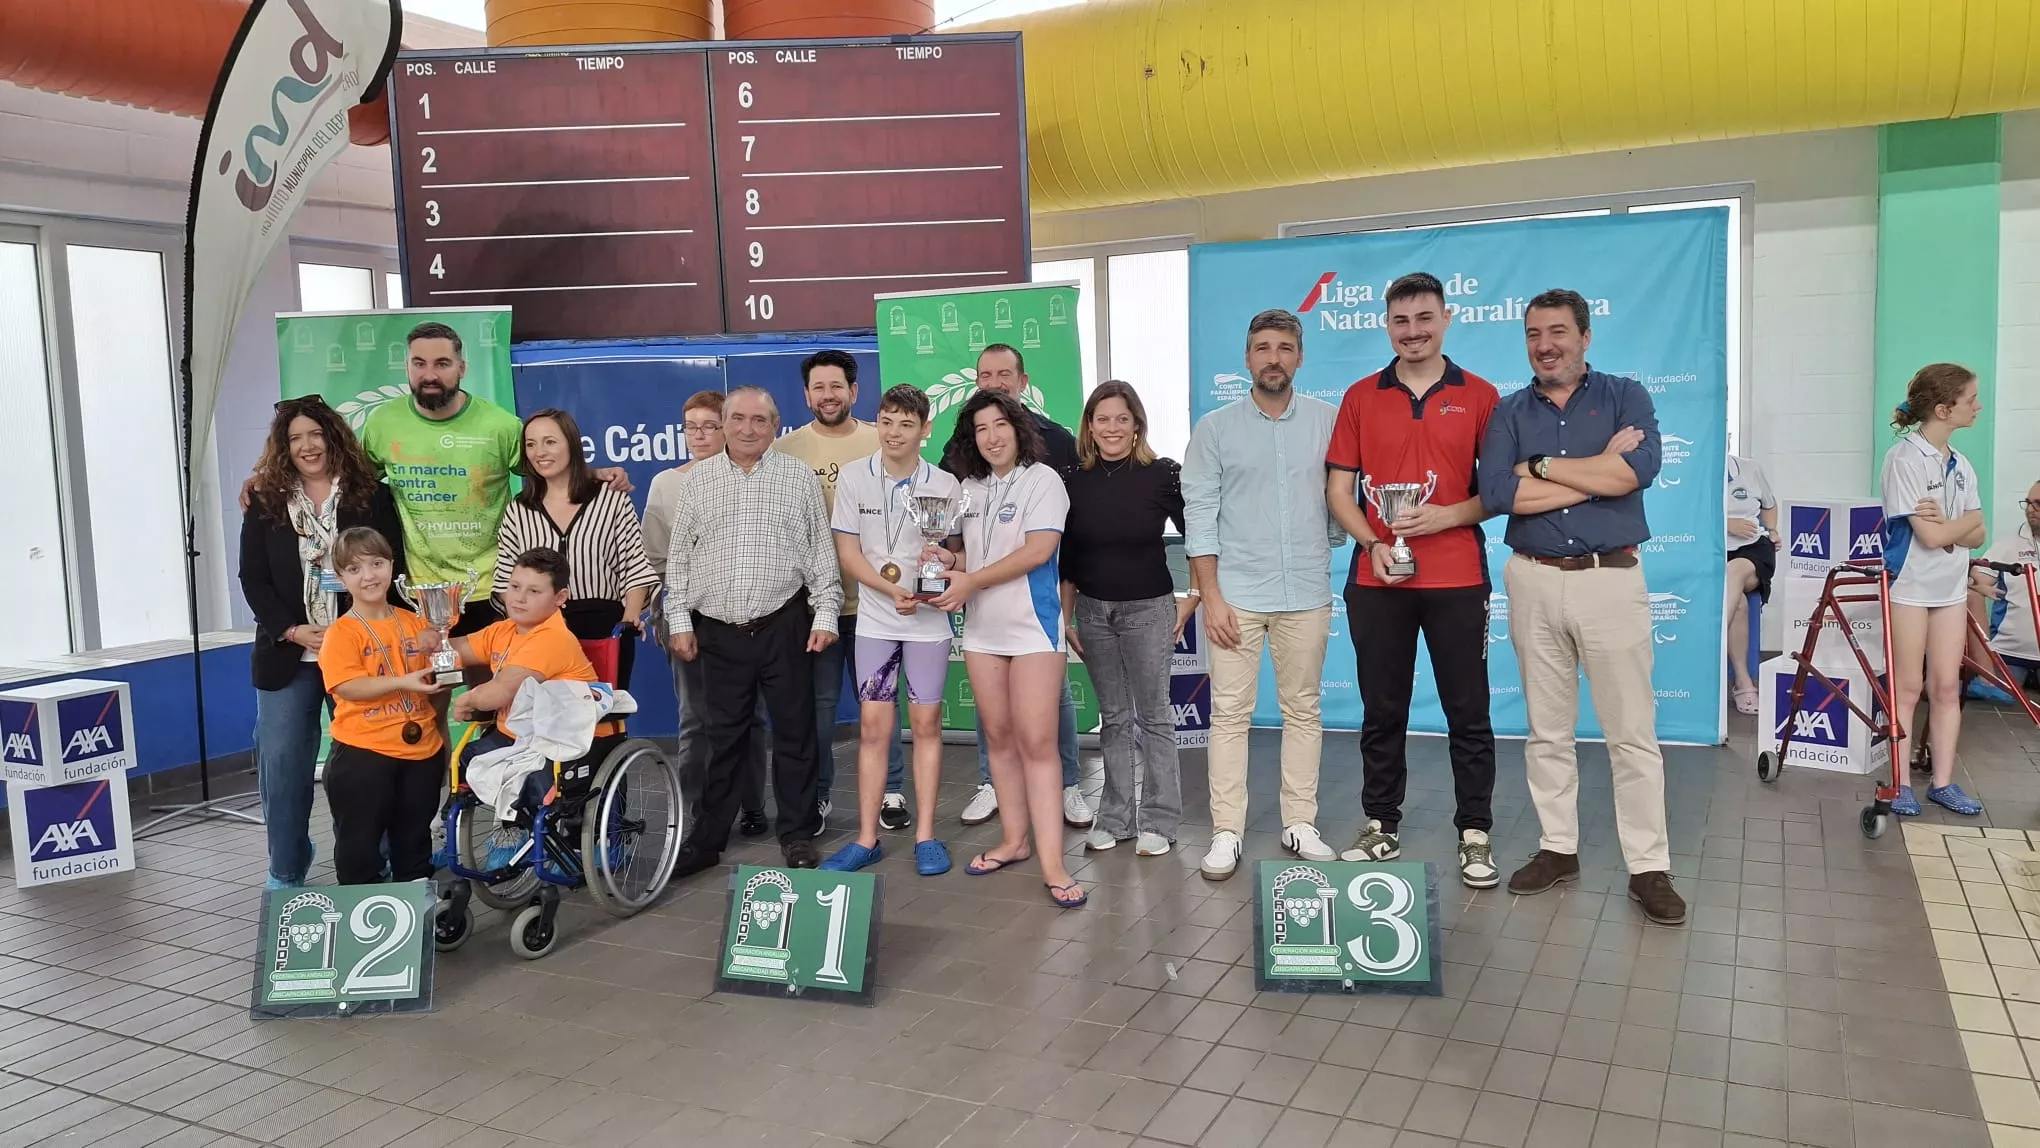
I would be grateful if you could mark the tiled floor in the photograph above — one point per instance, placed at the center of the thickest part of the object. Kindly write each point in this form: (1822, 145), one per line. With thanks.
(1804, 1004)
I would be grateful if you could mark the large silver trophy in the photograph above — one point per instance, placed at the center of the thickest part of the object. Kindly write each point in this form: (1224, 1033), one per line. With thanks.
(440, 604)
(936, 516)
(1392, 500)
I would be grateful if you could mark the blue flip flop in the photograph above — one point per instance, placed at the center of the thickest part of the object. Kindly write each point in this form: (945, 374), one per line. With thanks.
(931, 858)
(1056, 892)
(852, 857)
(1951, 798)
(1905, 804)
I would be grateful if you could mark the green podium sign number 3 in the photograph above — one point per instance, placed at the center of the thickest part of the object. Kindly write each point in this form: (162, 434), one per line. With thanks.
(793, 931)
(1346, 926)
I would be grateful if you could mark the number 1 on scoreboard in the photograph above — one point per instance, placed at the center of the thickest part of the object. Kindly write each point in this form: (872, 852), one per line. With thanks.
(425, 103)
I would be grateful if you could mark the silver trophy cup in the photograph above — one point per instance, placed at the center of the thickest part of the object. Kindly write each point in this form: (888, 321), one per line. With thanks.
(1392, 500)
(440, 604)
(936, 516)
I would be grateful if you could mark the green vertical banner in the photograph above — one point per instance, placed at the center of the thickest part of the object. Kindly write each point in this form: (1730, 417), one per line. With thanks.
(357, 360)
(933, 339)
(1938, 210)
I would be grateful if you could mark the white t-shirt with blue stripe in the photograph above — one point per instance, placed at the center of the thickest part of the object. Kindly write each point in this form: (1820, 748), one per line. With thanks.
(1023, 616)
(1915, 469)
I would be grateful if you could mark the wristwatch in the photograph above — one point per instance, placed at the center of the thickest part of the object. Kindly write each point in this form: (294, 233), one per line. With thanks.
(1540, 465)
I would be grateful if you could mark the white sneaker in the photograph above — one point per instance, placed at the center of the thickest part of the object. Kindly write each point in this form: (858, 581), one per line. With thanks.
(1303, 840)
(1477, 861)
(1151, 845)
(1224, 856)
(1076, 811)
(1098, 841)
(983, 807)
(1374, 844)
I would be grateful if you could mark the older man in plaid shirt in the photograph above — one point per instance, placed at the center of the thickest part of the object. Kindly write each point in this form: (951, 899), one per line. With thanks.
(752, 589)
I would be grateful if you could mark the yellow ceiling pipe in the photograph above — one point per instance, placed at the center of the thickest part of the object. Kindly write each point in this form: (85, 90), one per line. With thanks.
(1130, 101)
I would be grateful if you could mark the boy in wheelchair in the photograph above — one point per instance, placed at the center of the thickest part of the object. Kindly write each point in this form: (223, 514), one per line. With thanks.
(531, 643)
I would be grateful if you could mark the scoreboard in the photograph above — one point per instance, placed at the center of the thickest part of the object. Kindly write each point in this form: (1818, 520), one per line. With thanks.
(708, 188)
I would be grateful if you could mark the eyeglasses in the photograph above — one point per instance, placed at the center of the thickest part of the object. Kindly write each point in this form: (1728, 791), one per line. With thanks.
(700, 428)
(302, 402)
(2029, 504)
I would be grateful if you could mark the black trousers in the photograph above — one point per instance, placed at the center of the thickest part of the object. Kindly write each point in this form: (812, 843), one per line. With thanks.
(1384, 623)
(372, 795)
(738, 663)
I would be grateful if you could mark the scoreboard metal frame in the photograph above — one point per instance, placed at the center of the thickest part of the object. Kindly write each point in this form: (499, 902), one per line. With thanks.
(405, 139)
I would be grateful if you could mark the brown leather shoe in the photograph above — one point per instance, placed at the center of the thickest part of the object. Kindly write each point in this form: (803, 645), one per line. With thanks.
(1653, 891)
(1544, 870)
(800, 855)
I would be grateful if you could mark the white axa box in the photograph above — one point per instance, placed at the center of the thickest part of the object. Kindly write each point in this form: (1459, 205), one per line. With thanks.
(70, 831)
(1821, 532)
(1826, 734)
(1796, 598)
(60, 732)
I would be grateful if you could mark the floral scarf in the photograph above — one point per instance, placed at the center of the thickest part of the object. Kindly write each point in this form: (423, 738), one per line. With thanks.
(316, 527)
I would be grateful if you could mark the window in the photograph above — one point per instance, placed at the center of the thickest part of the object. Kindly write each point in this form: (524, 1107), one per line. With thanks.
(1148, 341)
(128, 429)
(1085, 272)
(34, 613)
(330, 287)
(393, 290)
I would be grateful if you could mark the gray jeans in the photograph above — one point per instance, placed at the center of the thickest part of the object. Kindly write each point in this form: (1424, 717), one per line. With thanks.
(691, 691)
(1126, 648)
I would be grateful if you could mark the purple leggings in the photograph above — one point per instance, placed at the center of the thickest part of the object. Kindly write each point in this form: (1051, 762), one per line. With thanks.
(882, 661)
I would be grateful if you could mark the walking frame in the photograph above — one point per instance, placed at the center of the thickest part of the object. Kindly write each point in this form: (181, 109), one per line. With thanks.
(1861, 583)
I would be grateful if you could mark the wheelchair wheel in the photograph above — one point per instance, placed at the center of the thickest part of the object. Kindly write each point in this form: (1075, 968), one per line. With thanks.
(478, 828)
(531, 935)
(451, 929)
(630, 834)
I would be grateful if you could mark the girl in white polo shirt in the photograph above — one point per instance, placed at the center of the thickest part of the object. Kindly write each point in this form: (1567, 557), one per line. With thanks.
(1932, 518)
(1013, 626)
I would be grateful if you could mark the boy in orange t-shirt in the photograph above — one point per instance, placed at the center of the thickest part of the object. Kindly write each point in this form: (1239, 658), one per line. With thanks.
(532, 643)
(383, 776)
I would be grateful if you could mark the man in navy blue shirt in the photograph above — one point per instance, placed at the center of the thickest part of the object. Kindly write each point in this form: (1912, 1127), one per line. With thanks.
(1568, 459)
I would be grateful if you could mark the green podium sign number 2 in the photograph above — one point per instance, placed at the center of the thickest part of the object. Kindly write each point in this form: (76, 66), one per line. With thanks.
(795, 931)
(341, 950)
(1345, 927)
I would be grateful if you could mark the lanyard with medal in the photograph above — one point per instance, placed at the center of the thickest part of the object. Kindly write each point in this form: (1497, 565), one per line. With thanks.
(412, 733)
(995, 506)
(891, 570)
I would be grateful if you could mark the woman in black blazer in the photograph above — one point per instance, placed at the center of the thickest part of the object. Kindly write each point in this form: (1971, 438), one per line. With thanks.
(313, 481)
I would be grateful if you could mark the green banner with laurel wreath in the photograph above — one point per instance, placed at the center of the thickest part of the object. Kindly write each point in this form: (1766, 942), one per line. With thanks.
(356, 360)
(933, 339)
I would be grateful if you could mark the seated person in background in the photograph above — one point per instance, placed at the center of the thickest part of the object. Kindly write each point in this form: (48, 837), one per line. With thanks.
(382, 778)
(531, 643)
(2004, 606)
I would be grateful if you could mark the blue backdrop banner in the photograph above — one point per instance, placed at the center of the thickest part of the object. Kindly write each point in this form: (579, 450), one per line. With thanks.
(1657, 283)
(627, 399)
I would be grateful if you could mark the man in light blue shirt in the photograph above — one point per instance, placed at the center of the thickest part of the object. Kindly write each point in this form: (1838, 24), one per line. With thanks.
(1260, 540)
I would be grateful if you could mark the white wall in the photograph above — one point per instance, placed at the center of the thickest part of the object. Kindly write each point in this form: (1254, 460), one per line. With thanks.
(2018, 365)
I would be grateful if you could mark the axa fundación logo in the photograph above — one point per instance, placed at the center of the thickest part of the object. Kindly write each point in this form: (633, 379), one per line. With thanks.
(67, 822)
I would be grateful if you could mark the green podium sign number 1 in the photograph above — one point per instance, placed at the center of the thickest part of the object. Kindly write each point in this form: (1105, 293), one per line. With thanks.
(794, 931)
(342, 950)
(1346, 927)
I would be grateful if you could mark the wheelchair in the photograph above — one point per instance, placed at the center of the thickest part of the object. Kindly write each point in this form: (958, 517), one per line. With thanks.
(609, 821)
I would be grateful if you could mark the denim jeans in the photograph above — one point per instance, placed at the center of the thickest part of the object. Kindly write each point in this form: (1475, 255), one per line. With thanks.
(831, 667)
(1126, 646)
(1065, 740)
(286, 752)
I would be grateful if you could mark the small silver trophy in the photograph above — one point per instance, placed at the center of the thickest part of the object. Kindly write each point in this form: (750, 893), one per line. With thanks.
(1392, 500)
(936, 516)
(440, 604)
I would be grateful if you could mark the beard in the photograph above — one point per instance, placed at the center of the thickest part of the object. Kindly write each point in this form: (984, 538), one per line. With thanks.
(1273, 382)
(433, 397)
(841, 416)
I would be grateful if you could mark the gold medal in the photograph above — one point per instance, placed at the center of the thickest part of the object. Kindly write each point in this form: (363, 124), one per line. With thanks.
(890, 572)
(413, 733)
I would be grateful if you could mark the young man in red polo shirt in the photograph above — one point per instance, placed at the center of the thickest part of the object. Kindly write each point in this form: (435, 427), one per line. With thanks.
(1419, 420)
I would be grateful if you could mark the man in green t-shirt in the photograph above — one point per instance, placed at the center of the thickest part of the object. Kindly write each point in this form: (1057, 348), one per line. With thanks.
(449, 458)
